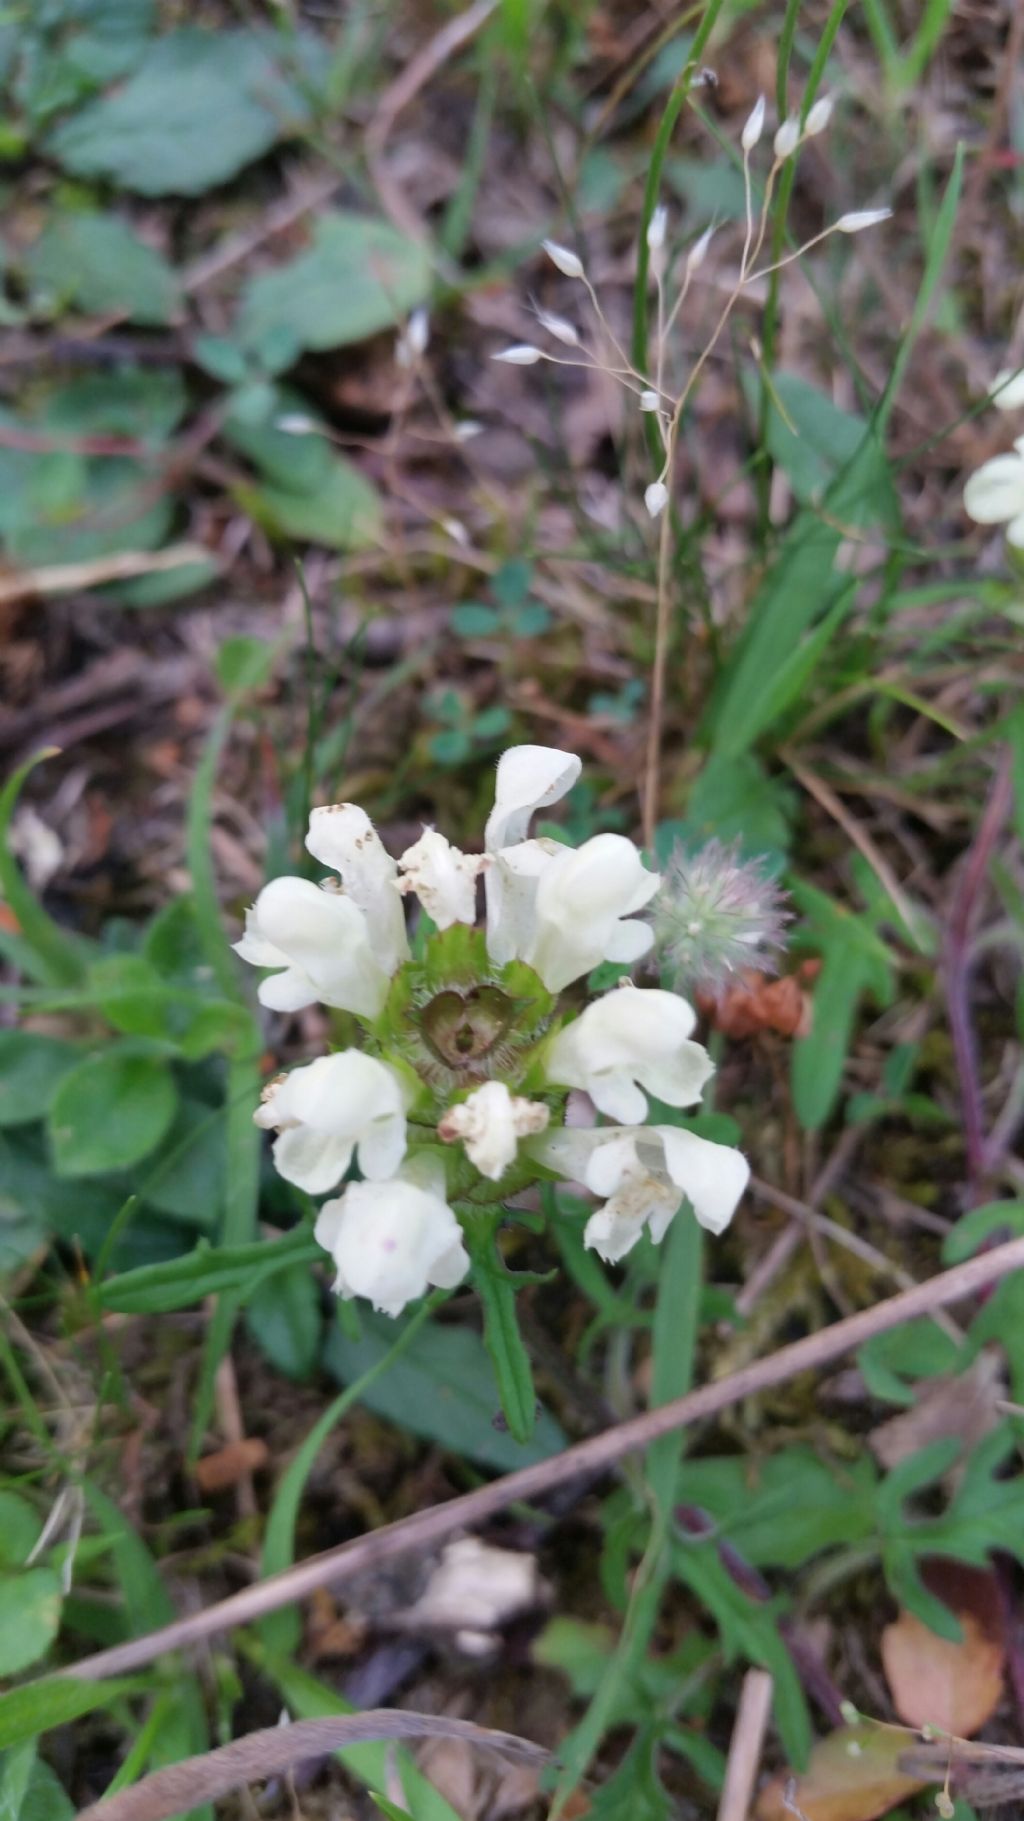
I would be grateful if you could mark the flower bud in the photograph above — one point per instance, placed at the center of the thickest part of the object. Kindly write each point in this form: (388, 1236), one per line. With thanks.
(857, 219)
(818, 117)
(656, 229)
(521, 354)
(1008, 389)
(755, 126)
(787, 138)
(559, 327)
(568, 262)
(698, 252)
(649, 400)
(656, 498)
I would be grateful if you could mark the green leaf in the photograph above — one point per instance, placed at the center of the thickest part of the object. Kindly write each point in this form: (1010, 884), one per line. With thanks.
(283, 1317)
(44, 1798)
(812, 439)
(41, 1706)
(443, 1388)
(358, 275)
(344, 513)
(109, 1112)
(53, 953)
(197, 108)
(96, 262)
(185, 1178)
(30, 1603)
(504, 1343)
(181, 1282)
(735, 799)
(19, 1530)
(31, 1068)
(788, 1508)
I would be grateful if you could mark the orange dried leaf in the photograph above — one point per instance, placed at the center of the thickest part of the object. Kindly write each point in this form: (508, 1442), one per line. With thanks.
(934, 1682)
(853, 1775)
(216, 1472)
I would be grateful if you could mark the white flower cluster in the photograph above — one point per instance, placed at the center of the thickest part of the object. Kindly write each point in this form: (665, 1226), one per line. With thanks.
(994, 494)
(553, 914)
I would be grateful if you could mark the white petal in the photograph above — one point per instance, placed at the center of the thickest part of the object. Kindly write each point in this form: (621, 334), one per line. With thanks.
(490, 1122)
(1015, 532)
(581, 898)
(996, 490)
(254, 947)
(629, 1040)
(325, 935)
(712, 1176)
(342, 837)
(510, 884)
(313, 1161)
(1008, 389)
(529, 778)
(443, 879)
(391, 1240)
(290, 991)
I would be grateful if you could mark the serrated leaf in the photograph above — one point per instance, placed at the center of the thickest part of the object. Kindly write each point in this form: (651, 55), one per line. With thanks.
(109, 1112)
(359, 275)
(96, 262)
(198, 107)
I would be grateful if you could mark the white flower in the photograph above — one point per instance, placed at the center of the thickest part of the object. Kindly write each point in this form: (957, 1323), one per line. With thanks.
(558, 908)
(995, 494)
(646, 1172)
(391, 1240)
(521, 354)
(787, 138)
(490, 1122)
(818, 117)
(856, 220)
(412, 340)
(321, 942)
(443, 879)
(1008, 389)
(632, 1039)
(474, 1589)
(649, 399)
(656, 498)
(328, 1110)
(342, 837)
(559, 327)
(754, 127)
(562, 257)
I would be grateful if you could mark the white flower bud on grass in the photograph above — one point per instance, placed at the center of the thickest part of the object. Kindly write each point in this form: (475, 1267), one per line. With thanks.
(656, 498)
(787, 138)
(994, 495)
(657, 228)
(818, 117)
(649, 400)
(698, 252)
(568, 262)
(521, 354)
(754, 126)
(559, 327)
(856, 220)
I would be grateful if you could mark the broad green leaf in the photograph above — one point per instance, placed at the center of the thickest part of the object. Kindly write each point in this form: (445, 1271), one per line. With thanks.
(206, 1271)
(198, 107)
(283, 1317)
(109, 1112)
(185, 1178)
(344, 512)
(812, 439)
(19, 1530)
(30, 1602)
(44, 1798)
(97, 263)
(31, 1069)
(443, 1389)
(358, 275)
(819, 1058)
(41, 1706)
(734, 799)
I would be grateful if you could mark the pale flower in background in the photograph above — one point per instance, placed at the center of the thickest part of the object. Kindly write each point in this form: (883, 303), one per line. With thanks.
(330, 1110)
(645, 1172)
(856, 220)
(474, 1589)
(994, 495)
(391, 1241)
(559, 327)
(568, 262)
(656, 498)
(490, 1123)
(321, 943)
(521, 354)
(818, 117)
(787, 138)
(634, 1038)
(754, 126)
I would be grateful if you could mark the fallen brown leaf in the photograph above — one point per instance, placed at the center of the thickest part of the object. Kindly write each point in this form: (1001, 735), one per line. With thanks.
(217, 1472)
(934, 1682)
(755, 1002)
(853, 1775)
(964, 1406)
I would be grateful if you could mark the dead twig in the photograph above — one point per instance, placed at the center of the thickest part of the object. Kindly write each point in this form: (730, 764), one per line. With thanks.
(745, 1745)
(423, 1529)
(278, 1749)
